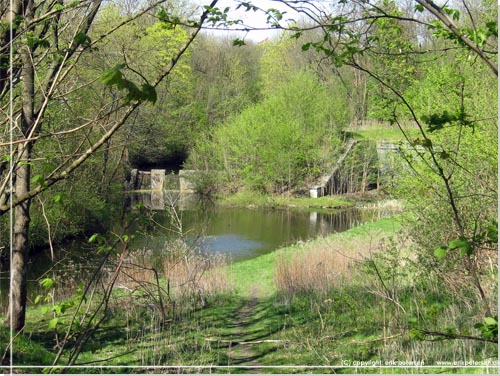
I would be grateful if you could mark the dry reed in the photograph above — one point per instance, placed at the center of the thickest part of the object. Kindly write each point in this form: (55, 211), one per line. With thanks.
(318, 266)
(136, 271)
(191, 274)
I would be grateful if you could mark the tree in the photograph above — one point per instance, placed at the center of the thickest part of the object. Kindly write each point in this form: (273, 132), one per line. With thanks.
(49, 40)
(283, 141)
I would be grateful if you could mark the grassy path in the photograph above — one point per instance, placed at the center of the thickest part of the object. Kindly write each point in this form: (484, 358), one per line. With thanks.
(249, 335)
(242, 349)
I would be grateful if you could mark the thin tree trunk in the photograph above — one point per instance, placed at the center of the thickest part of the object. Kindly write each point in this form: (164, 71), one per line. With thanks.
(17, 306)
(18, 289)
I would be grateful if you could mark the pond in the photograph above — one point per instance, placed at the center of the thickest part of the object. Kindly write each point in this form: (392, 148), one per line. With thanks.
(238, 233)
(242, 233)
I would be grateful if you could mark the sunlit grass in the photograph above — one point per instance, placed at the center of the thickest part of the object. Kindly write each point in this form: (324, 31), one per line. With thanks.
(253, 199)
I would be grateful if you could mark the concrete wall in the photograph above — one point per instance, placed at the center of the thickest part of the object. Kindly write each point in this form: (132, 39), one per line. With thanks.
(159, 180)
(186, 180)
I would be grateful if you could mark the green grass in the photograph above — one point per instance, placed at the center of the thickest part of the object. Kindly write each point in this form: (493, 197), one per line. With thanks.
(25, 349)
(253, 199)
(258, 273)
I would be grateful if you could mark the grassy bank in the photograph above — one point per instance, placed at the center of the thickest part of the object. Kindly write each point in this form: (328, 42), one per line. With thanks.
(257, 275)
(253, 199)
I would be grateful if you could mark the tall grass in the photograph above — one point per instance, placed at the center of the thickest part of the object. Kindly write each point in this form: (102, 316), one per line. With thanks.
(192, 276)
(374, 300)
(318, 267)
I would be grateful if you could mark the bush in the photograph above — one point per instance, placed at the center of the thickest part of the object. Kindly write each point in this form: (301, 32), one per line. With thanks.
(286, 140)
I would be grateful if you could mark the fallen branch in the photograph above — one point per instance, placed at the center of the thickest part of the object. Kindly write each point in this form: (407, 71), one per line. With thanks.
(444, 336)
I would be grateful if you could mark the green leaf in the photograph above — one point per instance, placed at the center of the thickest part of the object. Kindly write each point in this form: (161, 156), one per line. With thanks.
(163, 15)
(113, 76)
(488, 328)
(34, 41)
(53, 323)
(38, 179)
(419, 8)
(238, 42)
(47, 283)
(82, 39)
(492, 233)
(44, 310)
(104, 249)
(440, 252)
(58, 309)
(492, 27)
(490, 321)
(93, 238)
(58, 198)
(462, 244)
(37, 299)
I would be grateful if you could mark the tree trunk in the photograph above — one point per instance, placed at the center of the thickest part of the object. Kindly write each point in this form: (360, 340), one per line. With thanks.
(20, 246)
(18, 289)
(8, 16)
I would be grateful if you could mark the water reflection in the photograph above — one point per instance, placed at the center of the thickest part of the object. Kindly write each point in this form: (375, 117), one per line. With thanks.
(245, 233)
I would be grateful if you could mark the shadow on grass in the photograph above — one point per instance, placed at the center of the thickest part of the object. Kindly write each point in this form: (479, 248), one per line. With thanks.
(248, 332)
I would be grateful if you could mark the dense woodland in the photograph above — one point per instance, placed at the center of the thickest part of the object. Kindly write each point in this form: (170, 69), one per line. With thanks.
(92, 89)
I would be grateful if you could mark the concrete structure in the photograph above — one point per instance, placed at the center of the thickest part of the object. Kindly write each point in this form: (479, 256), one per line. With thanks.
(156, 189)
(186, 180)
(326, 182)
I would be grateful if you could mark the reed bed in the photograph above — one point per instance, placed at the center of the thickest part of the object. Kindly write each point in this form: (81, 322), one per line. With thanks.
(191, 274)
(318, 266)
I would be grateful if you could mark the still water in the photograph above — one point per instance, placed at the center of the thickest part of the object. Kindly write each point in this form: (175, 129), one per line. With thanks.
(238, 233)
(242, 233)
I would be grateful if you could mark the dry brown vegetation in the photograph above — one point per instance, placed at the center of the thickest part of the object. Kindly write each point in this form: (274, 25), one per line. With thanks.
(318, 266)
(192, 275)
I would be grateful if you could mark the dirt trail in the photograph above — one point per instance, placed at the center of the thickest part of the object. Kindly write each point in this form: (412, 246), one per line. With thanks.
(242, 350)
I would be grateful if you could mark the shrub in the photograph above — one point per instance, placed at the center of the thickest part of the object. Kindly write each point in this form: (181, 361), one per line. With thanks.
(287, 139)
